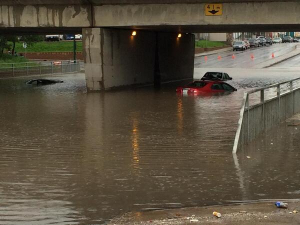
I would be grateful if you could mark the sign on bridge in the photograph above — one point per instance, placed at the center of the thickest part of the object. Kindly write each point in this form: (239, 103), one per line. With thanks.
(213, 9)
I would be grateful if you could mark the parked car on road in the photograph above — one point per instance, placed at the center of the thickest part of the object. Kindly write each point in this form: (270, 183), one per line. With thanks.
(277, 40)
(287, 39)
(269, 41)
(262, 41)
(55, 37)
(198, 87)
(247, 44)
(239, 45)
(296, 39)
(216, 76)
(254, 42)
(78, 36)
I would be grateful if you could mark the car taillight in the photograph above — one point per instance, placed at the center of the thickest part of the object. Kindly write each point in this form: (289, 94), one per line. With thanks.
(193, 90)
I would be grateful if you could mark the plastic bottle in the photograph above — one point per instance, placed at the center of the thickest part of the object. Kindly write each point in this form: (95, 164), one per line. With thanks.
(281, 205)
(217, 214)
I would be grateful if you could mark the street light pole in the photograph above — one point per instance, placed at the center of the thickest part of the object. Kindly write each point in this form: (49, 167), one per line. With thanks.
(74, 49)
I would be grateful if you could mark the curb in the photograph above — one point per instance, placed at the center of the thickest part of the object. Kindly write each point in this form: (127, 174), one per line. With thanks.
(214, 52)
(279, 59)
(275, 63)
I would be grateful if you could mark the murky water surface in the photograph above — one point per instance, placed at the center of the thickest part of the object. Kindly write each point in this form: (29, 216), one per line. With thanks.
(68, 157)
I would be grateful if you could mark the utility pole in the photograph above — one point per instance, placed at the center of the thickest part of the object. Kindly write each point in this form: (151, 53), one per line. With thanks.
(74, 49)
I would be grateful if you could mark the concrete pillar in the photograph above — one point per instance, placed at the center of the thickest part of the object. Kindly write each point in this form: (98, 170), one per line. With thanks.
(93, 58)
(115, 58)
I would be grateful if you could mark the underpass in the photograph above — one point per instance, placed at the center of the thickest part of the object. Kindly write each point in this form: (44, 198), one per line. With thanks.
(73, 157)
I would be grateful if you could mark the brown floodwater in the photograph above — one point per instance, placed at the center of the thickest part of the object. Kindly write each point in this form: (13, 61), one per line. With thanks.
(71, 157)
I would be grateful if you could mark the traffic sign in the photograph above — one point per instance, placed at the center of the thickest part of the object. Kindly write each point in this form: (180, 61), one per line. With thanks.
(213, 9)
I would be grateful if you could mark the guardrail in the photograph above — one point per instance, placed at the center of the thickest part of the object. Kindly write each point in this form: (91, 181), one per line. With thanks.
(38, 68)
(265, 108)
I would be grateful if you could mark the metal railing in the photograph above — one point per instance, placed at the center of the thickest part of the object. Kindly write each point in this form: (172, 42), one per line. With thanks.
(38, 68)
(270, 106)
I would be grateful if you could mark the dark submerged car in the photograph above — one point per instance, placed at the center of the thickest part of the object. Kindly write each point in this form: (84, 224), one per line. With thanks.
(43, 81)
(216, 76)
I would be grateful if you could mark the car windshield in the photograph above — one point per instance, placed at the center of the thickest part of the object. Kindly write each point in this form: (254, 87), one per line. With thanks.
(198, 84)
(213, 75)
(238, 43)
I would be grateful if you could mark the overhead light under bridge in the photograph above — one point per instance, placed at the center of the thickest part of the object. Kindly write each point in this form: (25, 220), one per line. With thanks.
(133, 33)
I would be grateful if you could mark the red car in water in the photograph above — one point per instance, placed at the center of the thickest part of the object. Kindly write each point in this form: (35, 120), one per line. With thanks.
(205, 86)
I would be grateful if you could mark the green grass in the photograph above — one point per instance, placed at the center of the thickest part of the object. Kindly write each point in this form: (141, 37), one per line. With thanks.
(11, 59)
(209, 44)
(6, 61)
(59, 46)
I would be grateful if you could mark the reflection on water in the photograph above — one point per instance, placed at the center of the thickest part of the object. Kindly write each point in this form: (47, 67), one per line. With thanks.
(135, 144)
(69, 157)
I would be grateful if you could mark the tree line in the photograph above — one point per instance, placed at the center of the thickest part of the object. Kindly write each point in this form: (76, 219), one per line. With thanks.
(8, 42)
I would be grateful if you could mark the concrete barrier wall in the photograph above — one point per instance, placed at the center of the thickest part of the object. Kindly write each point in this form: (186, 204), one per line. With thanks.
(261, 117)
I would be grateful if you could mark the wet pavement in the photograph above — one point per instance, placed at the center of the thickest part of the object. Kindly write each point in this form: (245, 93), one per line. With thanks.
(243, 58)
(68, 157)
(261, 213)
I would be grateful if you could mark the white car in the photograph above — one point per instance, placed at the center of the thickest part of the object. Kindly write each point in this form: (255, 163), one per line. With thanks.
(78, 36)
(54, 37)
(277, 40)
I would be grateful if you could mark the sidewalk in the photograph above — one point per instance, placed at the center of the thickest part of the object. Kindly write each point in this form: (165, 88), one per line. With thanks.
(214, 52)
(260, 213)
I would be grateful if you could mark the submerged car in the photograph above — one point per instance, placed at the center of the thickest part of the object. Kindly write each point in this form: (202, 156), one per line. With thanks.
(43, 81)
(198, 87)
(216, 76)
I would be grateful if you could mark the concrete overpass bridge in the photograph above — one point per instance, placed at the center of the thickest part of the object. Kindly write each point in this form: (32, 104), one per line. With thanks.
(114, 57)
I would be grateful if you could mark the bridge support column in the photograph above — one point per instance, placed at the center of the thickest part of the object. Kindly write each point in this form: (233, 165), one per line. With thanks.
(116, 58)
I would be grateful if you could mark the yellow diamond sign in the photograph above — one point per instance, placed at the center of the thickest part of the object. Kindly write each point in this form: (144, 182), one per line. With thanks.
(213, 9)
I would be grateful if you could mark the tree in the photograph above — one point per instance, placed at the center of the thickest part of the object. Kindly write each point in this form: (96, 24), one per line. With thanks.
(13, 39)
(32, 39)
(9, 42)
(3, 44)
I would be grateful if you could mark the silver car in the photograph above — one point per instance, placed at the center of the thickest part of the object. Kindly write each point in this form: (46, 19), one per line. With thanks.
(239, 45)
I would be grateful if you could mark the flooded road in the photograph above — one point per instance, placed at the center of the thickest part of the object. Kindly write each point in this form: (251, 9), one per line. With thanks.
(68, 157)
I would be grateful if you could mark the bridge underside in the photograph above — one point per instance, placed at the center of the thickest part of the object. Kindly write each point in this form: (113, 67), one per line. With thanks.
(160, 28)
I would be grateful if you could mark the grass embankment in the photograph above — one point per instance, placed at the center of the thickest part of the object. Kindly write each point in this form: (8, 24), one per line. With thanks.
(210, 44)
(7, 60)
(59, 46)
